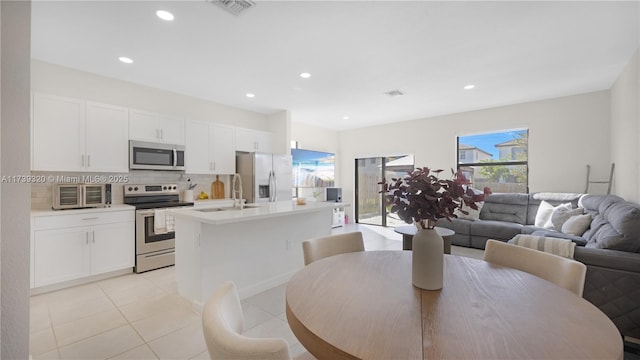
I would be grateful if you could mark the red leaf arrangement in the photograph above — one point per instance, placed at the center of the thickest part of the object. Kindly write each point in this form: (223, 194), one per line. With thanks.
(423, 197)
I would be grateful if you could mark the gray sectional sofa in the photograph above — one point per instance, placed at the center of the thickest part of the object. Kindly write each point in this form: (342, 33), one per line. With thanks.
(610, 247)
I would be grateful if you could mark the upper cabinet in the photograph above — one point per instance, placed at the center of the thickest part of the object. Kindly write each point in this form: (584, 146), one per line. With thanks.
(76, 135)
(250, 140)
(151, 127)
(209, 148)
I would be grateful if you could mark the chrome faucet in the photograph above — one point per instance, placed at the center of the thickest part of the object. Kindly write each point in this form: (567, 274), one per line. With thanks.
(236, 177)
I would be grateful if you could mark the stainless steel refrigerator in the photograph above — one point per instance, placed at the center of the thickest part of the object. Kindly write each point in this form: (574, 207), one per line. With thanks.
(265, 177)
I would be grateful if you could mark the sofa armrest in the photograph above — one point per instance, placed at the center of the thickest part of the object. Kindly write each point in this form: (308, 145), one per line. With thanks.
(612, 259)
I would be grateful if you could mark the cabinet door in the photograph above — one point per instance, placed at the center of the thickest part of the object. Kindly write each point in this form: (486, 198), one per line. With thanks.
(58, 141)
(197, 159)
(112, 247)
(246, 140)
(171, 130)
(61, 255)
(222, 150)
(107, 138)
(143, 126)
(264, 141)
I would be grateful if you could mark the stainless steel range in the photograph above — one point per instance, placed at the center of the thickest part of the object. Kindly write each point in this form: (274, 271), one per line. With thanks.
(155, 236)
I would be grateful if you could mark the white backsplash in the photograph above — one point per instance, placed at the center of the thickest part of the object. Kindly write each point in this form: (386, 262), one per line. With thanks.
(41, 194)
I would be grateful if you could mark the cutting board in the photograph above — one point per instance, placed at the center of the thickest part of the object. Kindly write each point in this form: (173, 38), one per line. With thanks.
(217, 189)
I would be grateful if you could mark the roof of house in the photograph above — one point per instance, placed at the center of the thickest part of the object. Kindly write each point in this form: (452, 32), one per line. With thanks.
(469, 147)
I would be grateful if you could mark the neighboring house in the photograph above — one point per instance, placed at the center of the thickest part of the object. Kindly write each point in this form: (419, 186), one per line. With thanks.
(471, 154)
(509, 150)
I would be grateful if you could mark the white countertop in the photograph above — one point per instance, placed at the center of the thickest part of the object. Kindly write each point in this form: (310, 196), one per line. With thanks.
(51, 212)
(253, 211)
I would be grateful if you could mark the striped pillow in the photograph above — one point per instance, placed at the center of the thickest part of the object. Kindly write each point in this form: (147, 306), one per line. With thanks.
(557, 246)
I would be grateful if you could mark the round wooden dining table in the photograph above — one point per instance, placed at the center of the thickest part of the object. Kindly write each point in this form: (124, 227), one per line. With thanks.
(362, 305)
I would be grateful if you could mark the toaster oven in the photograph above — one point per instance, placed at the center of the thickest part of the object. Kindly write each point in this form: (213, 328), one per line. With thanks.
(77, 196)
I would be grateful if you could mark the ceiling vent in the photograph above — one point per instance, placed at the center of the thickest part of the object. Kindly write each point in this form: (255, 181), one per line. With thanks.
(394, 93)
(235, 7)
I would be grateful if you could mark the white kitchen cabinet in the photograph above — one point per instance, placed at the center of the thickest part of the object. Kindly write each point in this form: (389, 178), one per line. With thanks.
(107, 148)
(209, 148)
(249, 140)
(58, 133)
(72, 246)
(76, 135)
(152, 127)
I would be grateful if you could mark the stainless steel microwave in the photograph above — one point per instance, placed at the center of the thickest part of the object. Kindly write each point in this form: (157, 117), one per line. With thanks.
(77, 196)
(155, 156)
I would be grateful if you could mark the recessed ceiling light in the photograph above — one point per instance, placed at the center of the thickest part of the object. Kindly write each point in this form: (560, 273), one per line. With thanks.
(305, 75)
(345, 118)
(250, 95)
(125, 60)
(164, 15)
(469, 87)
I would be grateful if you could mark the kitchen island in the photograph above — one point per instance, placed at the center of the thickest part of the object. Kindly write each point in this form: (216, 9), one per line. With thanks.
(257, 247)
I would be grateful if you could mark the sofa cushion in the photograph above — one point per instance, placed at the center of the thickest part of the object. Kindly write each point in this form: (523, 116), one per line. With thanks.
(545, 213)
(459, 226)
(557, 246)
(552, 198)
(616, 227)
(576, 225)
(560, 216)
(505, 207)
(500, 230)
(472, 215)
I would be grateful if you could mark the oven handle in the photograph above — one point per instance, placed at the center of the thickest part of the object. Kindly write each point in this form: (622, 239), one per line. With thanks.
(152, 211)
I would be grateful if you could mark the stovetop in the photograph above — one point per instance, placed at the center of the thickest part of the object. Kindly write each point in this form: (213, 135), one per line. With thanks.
(153, 196)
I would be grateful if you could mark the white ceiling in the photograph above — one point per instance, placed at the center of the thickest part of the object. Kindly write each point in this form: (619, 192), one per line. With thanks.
(356, 51)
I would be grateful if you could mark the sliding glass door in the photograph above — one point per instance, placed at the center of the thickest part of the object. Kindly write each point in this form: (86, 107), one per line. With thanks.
(370, 208)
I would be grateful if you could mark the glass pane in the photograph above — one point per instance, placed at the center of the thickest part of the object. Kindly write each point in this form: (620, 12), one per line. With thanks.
(369, 198)
(396, 167)
(499, 146)
(499, 178)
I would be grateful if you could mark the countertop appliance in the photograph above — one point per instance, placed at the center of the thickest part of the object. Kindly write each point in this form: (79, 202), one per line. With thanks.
(77, 196)
(265, 177)
(155, 156)
(154, 249)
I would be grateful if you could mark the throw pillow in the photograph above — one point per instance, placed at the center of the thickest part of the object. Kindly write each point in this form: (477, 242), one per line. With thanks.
(473, 214)
(577, 225)
(561, 215)
(543, 216)
(557, 246)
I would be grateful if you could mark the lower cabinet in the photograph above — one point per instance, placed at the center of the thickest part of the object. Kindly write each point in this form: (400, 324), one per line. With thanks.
(81, 245)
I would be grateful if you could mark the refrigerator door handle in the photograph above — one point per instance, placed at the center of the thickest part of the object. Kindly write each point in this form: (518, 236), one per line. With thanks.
(275, 187)
(271, 189)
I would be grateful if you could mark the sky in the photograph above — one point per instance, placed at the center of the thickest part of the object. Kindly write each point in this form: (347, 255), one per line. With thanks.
(487, 141)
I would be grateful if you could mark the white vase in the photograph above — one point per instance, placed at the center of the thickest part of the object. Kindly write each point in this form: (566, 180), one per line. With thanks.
(427, 259)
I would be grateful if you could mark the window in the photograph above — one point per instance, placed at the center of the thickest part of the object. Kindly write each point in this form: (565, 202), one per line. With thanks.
(499, 160)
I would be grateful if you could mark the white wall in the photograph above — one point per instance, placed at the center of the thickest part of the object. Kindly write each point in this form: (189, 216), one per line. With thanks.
(63, 81)
(625, 131)
(565, 134)
(15, 206)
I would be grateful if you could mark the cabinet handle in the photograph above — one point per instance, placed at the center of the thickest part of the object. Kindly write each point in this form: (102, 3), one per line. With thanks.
(91, 218)
(82, 160)
(88, 160)
(87, 238)
(214, 165)
(93, 236)
(157, 133)
(162, 134)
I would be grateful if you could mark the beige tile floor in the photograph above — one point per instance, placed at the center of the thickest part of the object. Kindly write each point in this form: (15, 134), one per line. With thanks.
(141, 316)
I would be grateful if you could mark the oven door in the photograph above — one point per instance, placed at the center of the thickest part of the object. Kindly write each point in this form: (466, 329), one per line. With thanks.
(146, 239)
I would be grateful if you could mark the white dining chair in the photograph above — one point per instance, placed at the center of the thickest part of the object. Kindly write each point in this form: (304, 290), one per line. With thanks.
(561, 271)
(322, 247)
(222, 324)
